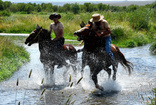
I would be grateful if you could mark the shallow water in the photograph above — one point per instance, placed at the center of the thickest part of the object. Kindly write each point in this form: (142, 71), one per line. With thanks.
(126, 90)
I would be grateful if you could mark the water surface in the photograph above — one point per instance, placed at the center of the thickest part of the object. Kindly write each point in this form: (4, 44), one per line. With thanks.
(126, 90)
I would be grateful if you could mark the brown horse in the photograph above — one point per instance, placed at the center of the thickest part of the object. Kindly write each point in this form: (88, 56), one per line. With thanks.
(50, 55)
(96, 58)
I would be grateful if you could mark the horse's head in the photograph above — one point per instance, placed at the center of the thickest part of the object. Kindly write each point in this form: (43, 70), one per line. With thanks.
(33, 37)
(84, 32)
(37, 35)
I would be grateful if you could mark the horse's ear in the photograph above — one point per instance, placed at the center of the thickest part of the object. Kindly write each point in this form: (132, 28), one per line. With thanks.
(91, 24)
(82, 24)
(37, 27)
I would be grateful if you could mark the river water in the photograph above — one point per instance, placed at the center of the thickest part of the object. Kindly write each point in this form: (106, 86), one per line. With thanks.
(126, 90)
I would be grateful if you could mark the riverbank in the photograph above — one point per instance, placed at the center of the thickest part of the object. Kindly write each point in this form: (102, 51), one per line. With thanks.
(12, 57)
(13, 34)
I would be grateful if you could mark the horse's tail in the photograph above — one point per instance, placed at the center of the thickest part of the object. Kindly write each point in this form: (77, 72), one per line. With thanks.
(126, 64)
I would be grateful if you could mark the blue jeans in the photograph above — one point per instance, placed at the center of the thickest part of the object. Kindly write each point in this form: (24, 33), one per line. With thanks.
(107, 44)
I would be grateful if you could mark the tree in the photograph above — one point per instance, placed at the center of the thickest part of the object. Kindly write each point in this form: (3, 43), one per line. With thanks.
(66, 7)
(75, 8)
(1, 5)
(6, 4)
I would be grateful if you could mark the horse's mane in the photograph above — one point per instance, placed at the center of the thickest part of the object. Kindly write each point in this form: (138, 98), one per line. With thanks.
(45, 30)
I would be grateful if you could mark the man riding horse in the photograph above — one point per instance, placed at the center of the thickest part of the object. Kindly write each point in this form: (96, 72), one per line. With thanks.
(102, 30)
(58, 29)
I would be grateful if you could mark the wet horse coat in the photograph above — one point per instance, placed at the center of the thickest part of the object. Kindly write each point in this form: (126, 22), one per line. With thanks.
(96, 58)
(49, 53)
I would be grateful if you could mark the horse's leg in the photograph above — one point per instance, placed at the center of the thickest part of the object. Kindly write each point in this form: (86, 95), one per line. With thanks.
(108, 70)
(83, 65)
(51, 75)
(114, 74)
(94, 77)
(46, 74)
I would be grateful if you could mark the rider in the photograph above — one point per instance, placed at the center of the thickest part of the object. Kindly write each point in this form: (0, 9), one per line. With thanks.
(58, 29)
(102, 30)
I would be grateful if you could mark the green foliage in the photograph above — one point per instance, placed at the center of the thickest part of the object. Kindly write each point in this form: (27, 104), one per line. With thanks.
(152, 100)
(131, 43)
(117, 33)
(139, 19)
(75, 8)
(140, 39)
(131, 26)
(12, 57)
(5, 13)
(132, 8)
(153, 48)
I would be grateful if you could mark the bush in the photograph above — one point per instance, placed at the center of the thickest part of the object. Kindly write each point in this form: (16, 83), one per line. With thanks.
(117, 33)
(153, 48)
(140, 40)
(139, 19)
(5, 13)
(131, 43)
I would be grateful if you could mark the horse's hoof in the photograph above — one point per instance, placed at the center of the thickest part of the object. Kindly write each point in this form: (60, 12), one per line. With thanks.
(114, 78)
(99, 87)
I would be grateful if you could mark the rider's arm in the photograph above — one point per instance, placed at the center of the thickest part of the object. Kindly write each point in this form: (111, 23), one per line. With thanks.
(50, 29)
(81, 42)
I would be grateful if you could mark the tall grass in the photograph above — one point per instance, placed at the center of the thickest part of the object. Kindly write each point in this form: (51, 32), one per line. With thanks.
(12, 57)
(126, 26)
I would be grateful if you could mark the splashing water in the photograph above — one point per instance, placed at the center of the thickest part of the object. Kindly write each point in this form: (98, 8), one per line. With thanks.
(125, 90)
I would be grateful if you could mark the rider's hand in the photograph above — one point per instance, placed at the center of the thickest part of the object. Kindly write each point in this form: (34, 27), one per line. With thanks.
(98, 34)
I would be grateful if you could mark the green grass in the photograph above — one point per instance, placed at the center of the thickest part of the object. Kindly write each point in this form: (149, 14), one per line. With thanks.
(12, 57)
(129, 29)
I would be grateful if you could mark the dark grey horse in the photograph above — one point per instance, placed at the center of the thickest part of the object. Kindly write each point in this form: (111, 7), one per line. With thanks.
(50, 55)
(98, 59)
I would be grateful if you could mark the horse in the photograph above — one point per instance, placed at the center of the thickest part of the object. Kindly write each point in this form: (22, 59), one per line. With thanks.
(50, 55)
(98, 59)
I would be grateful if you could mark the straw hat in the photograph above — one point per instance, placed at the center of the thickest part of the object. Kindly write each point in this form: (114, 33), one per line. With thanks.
(96, 18)
(54, 15)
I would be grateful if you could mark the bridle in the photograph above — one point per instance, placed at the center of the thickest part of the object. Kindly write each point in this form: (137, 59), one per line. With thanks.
(37, 34)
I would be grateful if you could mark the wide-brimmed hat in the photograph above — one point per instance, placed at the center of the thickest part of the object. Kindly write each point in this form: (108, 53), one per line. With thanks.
(96, 18)
(54, 15)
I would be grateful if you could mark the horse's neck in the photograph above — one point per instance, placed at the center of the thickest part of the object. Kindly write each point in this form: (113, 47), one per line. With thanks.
(89, 45)
(46, 45)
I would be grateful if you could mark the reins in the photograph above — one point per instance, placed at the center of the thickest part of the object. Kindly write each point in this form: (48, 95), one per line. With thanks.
(37, 34)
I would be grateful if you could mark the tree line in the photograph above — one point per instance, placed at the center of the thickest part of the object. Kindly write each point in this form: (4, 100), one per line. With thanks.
(76, 8)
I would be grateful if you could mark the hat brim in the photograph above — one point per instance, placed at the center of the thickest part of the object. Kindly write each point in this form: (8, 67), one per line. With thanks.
(101, 18)
(52, 16)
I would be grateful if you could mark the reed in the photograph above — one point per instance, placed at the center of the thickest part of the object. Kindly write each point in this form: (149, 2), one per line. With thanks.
(43, 91)
(30, 73)
(19, 103)
(27, 85)
(79, 80)
(70, 78)
(17, 82)
(42, 81)
(71, 84)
